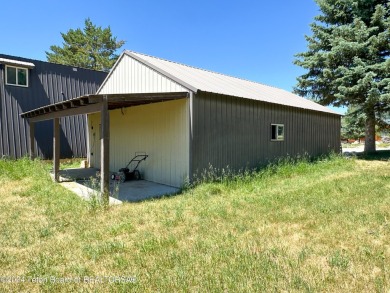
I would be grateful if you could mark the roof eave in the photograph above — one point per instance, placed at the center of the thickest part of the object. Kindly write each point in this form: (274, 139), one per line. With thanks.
(110, 73)
(17, 63)
(326, 110)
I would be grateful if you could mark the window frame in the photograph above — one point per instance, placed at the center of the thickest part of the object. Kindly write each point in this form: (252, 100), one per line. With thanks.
(17, 78)
(278, 138)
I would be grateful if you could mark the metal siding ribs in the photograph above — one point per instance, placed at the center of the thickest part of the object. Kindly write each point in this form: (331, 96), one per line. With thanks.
(46, 82)
(241, 138)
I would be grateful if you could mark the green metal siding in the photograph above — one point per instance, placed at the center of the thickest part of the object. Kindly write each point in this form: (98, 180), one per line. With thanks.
(236, 132)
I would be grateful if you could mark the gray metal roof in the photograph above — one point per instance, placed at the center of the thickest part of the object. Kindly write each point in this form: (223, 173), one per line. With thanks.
(196, 79)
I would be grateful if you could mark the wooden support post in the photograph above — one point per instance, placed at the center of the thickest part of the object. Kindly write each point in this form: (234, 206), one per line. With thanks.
(56, 149)
(32, 140)
(105, 151)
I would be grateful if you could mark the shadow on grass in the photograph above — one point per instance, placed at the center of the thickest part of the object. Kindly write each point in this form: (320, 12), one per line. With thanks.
(382, 155)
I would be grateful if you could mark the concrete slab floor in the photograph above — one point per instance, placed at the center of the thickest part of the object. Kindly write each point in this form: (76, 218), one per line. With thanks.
(79, 181)
(139, 190)
(85, 192)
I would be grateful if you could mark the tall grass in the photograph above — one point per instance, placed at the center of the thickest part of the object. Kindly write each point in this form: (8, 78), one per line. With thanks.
(294, 226)
(285, 167)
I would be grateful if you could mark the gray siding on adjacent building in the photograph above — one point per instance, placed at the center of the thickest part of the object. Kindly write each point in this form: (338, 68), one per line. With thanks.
(236, 132)
(46, 83)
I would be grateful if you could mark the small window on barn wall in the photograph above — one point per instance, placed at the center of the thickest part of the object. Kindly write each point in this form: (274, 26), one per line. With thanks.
(16, 76)
(277, 132)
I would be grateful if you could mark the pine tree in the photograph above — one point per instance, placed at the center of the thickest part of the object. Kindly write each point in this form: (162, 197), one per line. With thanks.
(92, 48)
(347, 61)
(352, 124)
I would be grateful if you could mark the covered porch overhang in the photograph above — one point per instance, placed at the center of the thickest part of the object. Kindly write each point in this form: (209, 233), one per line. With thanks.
(87, 104)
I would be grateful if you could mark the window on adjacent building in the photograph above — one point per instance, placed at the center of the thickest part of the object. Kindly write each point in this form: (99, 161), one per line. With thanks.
(16, 76)
(277, 132)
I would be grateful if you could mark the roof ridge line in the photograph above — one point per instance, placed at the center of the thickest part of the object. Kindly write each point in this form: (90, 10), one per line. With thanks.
(207, 70)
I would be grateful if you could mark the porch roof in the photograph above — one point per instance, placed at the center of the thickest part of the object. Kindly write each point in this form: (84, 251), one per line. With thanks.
(92, 103)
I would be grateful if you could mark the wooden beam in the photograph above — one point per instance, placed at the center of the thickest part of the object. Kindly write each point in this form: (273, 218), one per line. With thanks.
(95, 99)
(91, 104)
(67, 112)
(139, 97)
(56, 149)
(105, 151)
(75, 103)
(84, 101)
(32, 140)
(67, 104)
(59, 107)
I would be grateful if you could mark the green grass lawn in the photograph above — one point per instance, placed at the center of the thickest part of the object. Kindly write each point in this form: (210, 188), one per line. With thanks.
(65, 163)
(322, 226)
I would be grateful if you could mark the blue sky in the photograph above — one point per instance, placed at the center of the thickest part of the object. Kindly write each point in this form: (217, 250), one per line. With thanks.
(255, 40)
